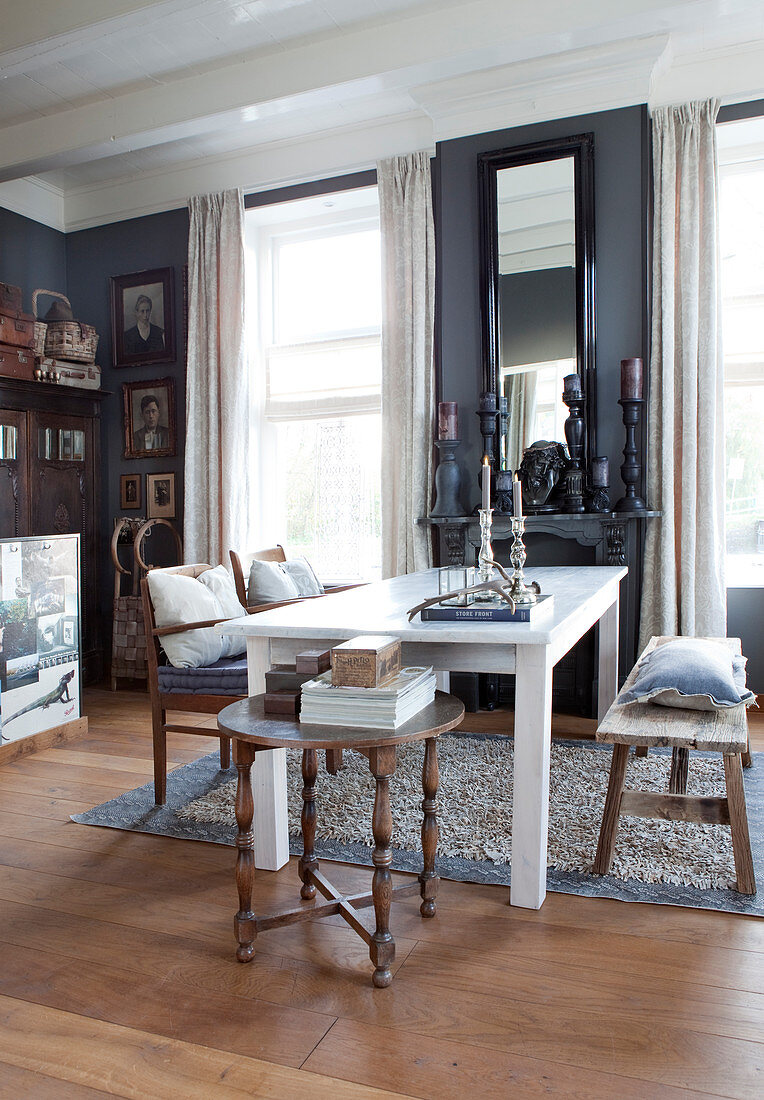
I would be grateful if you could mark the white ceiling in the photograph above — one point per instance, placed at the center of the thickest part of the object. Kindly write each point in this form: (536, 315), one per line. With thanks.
(114, 108)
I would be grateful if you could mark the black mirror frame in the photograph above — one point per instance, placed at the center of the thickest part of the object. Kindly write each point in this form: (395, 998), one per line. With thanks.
(581, 148)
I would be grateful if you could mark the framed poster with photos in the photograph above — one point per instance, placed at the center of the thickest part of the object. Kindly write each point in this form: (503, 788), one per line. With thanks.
(149, 418)
(143, 317)
(39, 634)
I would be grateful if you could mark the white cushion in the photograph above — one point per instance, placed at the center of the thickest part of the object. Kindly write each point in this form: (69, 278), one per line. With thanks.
(181, 599)
(219, 581)
(268, 583)
(301, 572)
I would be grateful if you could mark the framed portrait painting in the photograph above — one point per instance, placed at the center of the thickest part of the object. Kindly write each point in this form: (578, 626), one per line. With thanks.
(160, 496)
(149, 418)
(142, 317)
(129, 491)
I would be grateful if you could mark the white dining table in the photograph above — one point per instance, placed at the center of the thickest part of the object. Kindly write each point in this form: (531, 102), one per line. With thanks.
(583, 596)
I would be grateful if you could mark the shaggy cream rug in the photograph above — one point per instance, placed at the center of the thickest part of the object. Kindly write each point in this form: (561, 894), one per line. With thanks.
(475, 809)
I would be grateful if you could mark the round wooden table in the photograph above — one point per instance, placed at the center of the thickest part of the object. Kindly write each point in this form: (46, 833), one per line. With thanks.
(252, 731)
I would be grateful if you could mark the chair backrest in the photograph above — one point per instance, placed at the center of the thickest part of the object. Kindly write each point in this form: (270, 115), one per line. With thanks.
(152, 640)
(242, 563)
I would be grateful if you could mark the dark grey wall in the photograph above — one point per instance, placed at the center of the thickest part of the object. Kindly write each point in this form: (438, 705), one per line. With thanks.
(538, 313)
(92, 257)
(620, 264)
(32, 256)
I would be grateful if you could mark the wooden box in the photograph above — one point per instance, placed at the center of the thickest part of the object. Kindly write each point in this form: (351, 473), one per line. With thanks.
(366, 661)
(312, 661)
(281, 702)
(16, 329)
(16, 363)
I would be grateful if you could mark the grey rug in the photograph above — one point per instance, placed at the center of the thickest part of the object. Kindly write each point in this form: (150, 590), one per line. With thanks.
(671, 863)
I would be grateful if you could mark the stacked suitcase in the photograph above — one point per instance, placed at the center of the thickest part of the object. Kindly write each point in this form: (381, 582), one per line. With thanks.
(57, 351)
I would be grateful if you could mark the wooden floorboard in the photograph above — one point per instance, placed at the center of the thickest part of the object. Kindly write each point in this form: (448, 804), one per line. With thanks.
(118, 976)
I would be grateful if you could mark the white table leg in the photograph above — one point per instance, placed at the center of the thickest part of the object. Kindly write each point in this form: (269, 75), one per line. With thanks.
(443, 681)
(533, 737)
(268, 776)
(608, 659)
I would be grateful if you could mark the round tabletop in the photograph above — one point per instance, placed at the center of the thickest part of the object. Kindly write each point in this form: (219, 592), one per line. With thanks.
(246, 720)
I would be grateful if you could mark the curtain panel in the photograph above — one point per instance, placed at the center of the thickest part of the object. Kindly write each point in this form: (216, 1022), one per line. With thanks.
(216, 499)
(683, 586)
(408, 382)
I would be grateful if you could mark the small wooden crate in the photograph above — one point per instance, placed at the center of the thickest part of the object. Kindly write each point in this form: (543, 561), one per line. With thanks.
(366, 661)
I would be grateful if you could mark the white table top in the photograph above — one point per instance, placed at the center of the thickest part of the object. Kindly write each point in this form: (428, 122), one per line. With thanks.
(580, 593)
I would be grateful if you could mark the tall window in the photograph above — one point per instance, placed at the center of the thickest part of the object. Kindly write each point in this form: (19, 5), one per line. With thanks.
(316, 355)
(741, 158)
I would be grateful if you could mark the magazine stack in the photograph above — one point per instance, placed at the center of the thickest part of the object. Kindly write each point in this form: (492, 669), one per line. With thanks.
(394, 696)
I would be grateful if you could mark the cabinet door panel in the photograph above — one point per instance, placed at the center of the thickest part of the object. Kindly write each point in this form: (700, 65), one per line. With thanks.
(14, 495)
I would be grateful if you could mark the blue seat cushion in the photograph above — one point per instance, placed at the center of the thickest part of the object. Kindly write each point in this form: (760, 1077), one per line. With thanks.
(228, 676)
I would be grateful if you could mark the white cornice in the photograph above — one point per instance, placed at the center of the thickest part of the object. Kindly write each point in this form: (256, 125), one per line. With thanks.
(36, 199)
(277, 164)
(733, 75)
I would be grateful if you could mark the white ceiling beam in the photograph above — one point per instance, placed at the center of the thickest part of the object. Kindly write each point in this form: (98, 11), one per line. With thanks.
(489, 33)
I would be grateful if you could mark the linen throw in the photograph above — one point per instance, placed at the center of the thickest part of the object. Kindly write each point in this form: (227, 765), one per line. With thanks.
(216, 499)
(408, 384)
(683, 588)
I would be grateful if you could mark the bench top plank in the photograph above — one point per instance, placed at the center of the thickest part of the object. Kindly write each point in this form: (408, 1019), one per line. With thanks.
(653, 725)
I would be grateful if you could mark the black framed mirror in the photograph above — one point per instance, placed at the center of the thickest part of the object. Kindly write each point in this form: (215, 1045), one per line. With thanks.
(537, 288)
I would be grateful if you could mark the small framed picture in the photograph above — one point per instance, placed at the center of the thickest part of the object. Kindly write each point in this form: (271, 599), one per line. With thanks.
(142, 317)
(149, 418)
(130, 491)
(160, 496)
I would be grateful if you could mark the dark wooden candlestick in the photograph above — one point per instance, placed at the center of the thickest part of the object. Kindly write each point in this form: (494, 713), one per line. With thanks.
(574, 435)
(488, 431)
(631, 470)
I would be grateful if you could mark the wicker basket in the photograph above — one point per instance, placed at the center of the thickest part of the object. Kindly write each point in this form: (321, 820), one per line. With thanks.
(69, 340)
(128, 643)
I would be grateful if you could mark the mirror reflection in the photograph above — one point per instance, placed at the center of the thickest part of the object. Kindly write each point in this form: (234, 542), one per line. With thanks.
(536, 299)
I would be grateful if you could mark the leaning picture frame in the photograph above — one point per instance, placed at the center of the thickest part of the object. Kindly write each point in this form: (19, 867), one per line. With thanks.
(143, 317)
(149, 418)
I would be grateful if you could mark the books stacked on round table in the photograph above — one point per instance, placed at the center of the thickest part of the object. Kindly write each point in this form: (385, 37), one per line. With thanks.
(394, 694)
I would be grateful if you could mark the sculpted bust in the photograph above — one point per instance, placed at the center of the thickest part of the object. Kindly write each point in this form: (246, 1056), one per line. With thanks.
(540, 470)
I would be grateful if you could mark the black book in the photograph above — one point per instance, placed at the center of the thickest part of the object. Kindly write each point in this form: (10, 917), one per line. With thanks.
(486, 613)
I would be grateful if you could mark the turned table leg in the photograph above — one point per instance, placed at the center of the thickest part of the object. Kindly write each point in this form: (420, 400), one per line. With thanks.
(244, 921)
(382, 945)
(308, 860)
(428, 879)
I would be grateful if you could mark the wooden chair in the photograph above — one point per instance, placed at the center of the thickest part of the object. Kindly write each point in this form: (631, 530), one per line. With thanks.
(647, 724)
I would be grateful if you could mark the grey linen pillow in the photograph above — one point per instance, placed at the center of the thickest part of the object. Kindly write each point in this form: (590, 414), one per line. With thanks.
(301, 572)
(268, 583)
(693, 674)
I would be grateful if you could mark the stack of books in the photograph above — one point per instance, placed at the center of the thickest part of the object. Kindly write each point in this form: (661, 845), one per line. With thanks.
(367, 687)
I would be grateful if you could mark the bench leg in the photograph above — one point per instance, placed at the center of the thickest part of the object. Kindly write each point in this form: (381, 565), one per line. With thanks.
(747, 758)
(244, 921)
(610, 814)
(428, 879)
(640, 750)
(382, 945)
(159, 739)
(680, 763)
(308, 860)
(741, 840)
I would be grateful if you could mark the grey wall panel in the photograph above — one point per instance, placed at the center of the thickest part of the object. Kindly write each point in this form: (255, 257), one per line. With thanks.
(31, 256)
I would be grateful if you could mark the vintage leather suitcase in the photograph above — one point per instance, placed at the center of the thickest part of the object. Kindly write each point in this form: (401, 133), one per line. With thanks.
(10, 298)
(16, 362)
(16, 329)
(85, 375)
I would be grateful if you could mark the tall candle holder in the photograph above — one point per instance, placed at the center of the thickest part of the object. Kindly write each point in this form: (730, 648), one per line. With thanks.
(631, 470)
(524, 595)
(574, 435)
(448, 480)
(488, 413)
(485, 557)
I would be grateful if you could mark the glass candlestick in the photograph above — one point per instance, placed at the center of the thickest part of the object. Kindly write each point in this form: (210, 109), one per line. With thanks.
(485, 557)
(523, 594)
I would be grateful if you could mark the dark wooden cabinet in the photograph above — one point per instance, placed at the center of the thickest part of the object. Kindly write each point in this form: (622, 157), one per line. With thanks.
(50, 481)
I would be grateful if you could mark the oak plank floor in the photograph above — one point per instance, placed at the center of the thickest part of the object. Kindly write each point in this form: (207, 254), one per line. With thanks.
(118, 977)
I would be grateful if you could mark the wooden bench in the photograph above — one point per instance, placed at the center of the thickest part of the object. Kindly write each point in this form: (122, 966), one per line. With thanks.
(645, 725)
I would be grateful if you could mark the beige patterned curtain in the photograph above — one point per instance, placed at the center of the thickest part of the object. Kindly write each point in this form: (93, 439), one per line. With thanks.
(216, 496)
(683, 588)
(408, 384)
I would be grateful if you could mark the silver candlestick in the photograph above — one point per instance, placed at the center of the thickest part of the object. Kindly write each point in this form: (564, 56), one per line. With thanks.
(485, 557)
(523, 594)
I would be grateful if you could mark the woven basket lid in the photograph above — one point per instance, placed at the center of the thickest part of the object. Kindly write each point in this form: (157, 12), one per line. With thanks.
(59, 312)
